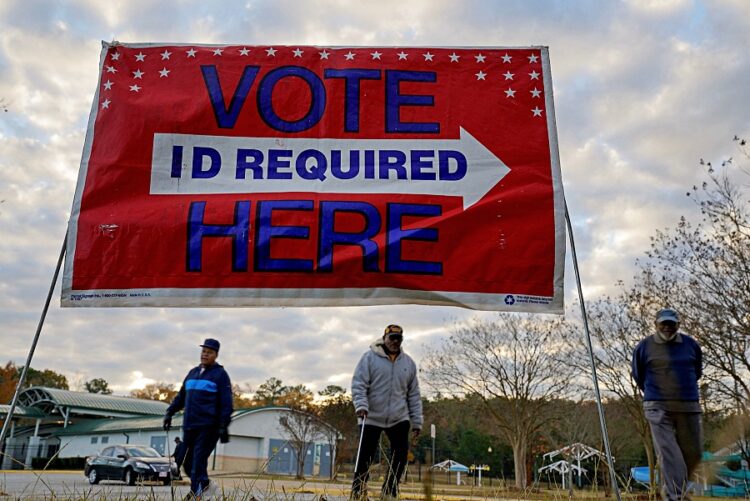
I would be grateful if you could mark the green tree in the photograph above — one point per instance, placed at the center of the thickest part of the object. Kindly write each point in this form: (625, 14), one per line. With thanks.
(98, 385)
(269, 392)
(160, 390)
(46, 377)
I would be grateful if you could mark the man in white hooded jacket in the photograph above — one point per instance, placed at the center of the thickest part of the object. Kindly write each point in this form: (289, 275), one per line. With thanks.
(385, 392)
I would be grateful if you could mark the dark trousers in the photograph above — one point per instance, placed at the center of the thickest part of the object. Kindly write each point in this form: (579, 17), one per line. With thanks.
(200, 442)
(398, 436)
(678, 441)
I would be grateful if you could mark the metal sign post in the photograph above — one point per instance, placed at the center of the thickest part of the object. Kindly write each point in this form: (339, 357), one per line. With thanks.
(22, 379)
(599, 406)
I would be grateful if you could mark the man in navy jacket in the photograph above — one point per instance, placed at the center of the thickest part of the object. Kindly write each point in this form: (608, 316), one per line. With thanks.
(666, 366)
(206, 397)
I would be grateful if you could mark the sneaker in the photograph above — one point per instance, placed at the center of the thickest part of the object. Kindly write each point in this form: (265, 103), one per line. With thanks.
(209, 492)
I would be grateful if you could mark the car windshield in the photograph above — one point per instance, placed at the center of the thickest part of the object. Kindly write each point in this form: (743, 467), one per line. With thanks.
(143, 452)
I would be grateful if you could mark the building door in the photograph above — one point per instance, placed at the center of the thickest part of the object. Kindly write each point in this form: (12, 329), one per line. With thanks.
(325, 461)
(280, 457)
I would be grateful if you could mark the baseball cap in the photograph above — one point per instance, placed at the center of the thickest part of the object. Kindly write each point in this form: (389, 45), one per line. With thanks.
(394, 329)
(667, 315)
(211, 343)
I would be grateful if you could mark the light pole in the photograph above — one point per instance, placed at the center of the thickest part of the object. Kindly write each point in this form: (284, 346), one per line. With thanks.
(432, 434)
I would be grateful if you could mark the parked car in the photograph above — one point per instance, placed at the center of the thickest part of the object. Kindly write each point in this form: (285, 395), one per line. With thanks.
(129, 464)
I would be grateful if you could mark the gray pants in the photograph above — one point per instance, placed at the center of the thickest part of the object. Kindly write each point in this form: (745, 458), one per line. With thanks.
(678, 441)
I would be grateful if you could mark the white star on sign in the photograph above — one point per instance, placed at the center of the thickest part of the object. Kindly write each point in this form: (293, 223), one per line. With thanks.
(480, 75)
(402, 55)
(533, 58)
(508, 75)
(510, 93)
(534, 75)
(190, 53)
(271, 52)
(454, 57)
(376, 55)
(324, 54)
(535, 93)
(115, 56)
(134, 88)
(138, 74)
(537, 112)
(349, 55)
(298, 53)
(427, 56)
(164, 72)
(140, 56)
(111, 69)
(480, 58)
(244, 51)
(507, 58)
(108, 85)
(105, 103)
(165, 54)
(217, 52)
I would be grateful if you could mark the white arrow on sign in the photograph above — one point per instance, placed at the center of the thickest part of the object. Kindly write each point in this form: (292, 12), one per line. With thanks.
(193, 164)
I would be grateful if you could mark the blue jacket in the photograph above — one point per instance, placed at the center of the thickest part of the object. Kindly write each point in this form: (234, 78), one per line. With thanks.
(206, 398)
(668, 371)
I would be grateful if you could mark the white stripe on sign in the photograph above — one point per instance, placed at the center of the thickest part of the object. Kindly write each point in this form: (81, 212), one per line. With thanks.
(192, 164)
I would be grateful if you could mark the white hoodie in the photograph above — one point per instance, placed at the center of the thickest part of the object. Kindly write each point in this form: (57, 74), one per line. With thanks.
(388, 391)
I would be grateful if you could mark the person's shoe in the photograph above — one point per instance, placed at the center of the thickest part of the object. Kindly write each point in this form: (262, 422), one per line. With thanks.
(210, 491)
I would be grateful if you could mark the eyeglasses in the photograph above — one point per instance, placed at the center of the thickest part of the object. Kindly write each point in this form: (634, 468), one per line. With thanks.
(396, 337)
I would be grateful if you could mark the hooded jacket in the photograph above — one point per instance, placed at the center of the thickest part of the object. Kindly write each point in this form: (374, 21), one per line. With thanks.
(388, 391)
(206, 398)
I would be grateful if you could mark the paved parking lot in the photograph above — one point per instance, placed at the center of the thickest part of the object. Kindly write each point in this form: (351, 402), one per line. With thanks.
(74, 486)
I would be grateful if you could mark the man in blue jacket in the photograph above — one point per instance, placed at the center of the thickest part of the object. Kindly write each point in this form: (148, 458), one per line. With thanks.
(206, 397)
(385, 392)
(666, 366)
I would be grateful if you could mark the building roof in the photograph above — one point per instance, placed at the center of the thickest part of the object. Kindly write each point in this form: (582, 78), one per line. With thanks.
(21, 411)
(123, 425)
(144, 423)
(52, 400)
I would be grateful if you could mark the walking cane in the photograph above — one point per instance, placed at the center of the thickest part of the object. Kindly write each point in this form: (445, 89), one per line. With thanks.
(359, 447)
(169, 457)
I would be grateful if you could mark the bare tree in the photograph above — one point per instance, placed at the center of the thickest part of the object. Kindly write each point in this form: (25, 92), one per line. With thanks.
(510, 364)
(337, 411)
(301, 428)
(705, 266)
(616, 325)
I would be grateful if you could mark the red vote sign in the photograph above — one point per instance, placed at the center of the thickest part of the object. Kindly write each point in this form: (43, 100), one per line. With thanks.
(319, 176)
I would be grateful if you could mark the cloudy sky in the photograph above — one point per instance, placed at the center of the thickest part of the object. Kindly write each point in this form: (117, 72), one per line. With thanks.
(643, 89)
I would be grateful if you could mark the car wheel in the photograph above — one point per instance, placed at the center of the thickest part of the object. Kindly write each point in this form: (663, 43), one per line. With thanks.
(129, 476)
(93, 476)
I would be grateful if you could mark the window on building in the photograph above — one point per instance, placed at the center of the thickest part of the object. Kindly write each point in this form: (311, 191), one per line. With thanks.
(94, 440)
(105, 440)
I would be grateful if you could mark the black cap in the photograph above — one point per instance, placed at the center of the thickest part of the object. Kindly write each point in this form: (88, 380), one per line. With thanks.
(211, 343)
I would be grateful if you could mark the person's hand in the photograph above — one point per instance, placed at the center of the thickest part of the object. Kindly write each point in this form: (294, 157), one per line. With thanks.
(167, 422)
(415, 435)
(223, 435)
(362, 413)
